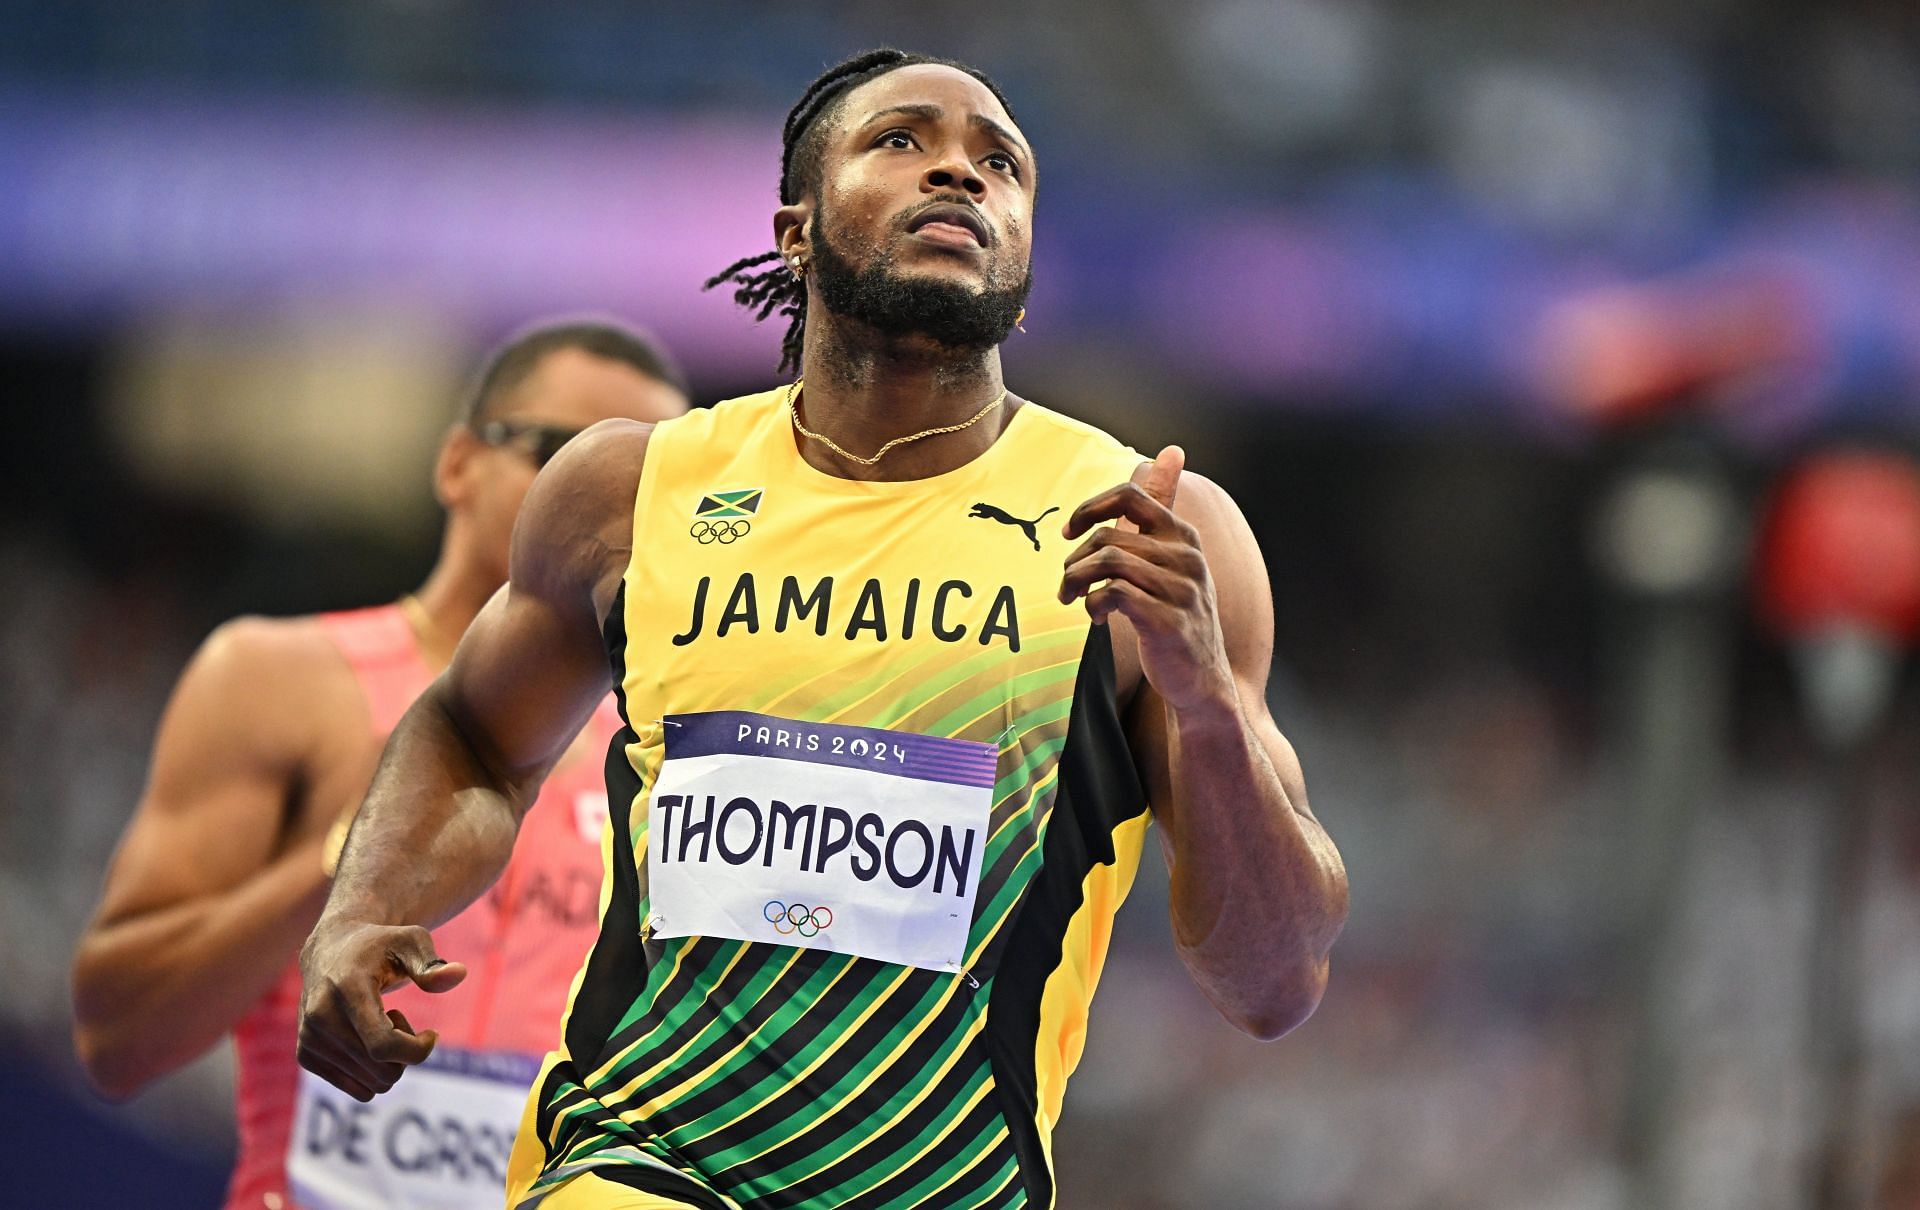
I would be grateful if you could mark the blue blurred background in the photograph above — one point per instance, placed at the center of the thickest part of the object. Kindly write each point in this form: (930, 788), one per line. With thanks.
(1430, 287)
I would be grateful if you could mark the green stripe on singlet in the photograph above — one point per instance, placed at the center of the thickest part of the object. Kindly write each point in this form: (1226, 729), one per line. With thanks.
(595, 1083)
(1002, 904)
(638, 1065)
(849, 1142)
(996, 1191)
(992, 699)
(848, 1148)
(846, 1091)
(1013, 824)
(927, 686)
(774, 1180)
(1035, 766)
(1033, 720)
(684, 1005)
(804, 1062)
(718, 1070)
(964, 1157)
(986, 696)
(953, 1173)
(978, 949)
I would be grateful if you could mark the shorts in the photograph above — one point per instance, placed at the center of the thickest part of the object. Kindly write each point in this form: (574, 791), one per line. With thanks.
(589, 1192)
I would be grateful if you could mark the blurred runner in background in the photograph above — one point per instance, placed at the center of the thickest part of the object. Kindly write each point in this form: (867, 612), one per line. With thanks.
(261, 760)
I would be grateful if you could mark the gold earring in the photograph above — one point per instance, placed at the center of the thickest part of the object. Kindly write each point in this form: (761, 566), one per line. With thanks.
(1018, 318)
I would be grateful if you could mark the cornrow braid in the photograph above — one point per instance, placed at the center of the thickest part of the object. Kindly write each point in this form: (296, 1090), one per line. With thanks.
(801, 156)
(778, 288)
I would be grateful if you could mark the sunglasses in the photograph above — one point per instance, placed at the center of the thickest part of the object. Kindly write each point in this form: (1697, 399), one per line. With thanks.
(539, 442)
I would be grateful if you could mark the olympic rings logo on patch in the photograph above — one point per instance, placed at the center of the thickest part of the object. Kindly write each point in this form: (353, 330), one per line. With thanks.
(790, 918)
(724, 532)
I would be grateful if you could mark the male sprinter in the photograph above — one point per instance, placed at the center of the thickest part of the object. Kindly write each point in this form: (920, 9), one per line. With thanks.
(885, 767)
(272, 735)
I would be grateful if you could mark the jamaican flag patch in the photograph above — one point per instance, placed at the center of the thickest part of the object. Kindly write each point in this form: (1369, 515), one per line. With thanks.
(744, 502)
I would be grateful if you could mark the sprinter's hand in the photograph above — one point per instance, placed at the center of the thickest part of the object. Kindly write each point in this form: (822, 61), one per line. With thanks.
(347, 1037)
(1150, 568)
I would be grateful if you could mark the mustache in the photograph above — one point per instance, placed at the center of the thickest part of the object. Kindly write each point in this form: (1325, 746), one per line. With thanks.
(950, 199)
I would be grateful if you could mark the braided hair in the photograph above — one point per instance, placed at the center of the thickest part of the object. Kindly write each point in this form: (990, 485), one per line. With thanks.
(802, 154)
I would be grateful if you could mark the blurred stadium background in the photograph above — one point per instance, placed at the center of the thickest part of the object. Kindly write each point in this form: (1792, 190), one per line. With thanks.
(1502, 321)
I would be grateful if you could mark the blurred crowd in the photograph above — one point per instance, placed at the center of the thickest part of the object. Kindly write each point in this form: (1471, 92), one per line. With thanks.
(1574, 114)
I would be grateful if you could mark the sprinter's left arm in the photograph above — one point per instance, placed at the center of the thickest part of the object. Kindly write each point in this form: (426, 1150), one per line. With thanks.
(1258, 890)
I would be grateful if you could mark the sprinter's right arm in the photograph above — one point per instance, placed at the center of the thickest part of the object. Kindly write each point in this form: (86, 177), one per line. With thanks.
(467, 761)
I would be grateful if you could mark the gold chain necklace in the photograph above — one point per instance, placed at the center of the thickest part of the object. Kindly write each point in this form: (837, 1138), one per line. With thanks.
(793, 410)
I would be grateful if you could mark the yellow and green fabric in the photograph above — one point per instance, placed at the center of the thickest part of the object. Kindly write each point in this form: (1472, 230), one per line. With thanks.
(727, 1073)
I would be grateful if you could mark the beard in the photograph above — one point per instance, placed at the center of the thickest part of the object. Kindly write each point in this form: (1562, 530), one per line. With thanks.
(897, 305)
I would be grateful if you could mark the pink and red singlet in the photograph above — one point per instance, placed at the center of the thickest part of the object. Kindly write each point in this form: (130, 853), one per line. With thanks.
(441, 1136)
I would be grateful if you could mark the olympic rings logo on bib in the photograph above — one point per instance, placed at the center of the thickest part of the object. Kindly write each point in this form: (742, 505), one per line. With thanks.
(724, 532)
(790, 918)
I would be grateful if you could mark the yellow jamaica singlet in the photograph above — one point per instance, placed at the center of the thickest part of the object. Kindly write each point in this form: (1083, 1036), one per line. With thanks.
(872, 814)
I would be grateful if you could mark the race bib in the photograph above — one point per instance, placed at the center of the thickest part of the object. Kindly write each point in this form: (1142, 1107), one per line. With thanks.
(852, 839)
(437, 1140)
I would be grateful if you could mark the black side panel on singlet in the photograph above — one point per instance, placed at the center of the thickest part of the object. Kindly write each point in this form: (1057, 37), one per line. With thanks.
(1099, 790)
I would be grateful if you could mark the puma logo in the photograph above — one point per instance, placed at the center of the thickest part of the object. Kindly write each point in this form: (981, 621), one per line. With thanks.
(1001, 515)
